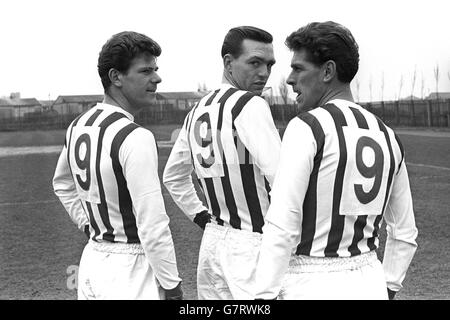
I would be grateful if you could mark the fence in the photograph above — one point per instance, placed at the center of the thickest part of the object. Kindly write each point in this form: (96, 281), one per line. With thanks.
(166, 115)
(52, 121)
(36, 121)
(416, 113)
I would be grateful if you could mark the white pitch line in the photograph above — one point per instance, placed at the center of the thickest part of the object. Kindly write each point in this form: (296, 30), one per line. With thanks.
(17, 151)
(7, 204)
(427, 166)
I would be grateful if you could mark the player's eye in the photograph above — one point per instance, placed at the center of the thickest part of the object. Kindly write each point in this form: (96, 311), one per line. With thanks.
(148, 71)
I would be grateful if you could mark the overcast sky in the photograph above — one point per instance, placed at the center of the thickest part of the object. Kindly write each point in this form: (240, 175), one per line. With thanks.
(50, 47)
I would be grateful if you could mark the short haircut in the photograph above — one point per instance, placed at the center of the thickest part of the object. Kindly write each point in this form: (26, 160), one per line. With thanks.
(325, 41)
(235, 36)
(120, 50)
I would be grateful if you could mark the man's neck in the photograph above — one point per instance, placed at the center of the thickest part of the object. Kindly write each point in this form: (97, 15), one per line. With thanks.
(118, 101)
(227, 78)
(341, 92)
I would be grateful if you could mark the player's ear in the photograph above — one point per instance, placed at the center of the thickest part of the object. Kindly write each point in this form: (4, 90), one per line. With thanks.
(228, 62)
(329, 70)
(115, 77)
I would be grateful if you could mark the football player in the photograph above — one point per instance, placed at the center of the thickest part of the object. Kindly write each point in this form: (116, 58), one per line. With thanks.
(230, 140)
(107, 179)
(341, 171)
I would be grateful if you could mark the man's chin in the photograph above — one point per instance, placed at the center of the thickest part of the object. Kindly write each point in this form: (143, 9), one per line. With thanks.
(258, 92)
(152, 98)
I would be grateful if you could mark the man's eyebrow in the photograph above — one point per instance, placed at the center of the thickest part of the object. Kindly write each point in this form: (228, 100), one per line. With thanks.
(273, 61)
(149, 68)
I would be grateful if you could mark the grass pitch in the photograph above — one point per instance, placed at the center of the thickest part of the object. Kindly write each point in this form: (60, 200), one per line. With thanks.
(40, 247)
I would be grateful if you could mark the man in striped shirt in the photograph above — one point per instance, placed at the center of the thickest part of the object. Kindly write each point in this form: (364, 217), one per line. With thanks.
(341, 171)
(230, 140)
(107, 180)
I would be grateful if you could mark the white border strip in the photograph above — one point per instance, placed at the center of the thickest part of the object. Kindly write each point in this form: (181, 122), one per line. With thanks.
(427, 166)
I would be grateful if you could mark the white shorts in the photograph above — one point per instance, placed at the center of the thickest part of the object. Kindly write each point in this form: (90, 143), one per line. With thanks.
(349, 278)
(227, 263)
(113, 271)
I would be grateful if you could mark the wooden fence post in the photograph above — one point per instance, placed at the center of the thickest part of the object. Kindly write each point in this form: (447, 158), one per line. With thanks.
(413, 114)
(429, 117)
(397, 113)
(382, 111)
(448, 113)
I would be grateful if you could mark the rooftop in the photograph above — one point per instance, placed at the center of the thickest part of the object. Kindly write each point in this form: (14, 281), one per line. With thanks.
(19, 102)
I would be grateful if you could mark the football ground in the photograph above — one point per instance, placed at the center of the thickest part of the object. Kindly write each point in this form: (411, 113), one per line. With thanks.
(40, 247)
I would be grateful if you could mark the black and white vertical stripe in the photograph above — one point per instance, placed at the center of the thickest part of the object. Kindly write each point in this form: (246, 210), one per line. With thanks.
(325, 230)
(239, 198)
(112, 219)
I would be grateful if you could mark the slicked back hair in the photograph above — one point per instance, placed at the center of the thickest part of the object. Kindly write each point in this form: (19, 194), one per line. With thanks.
(119, 51)
(232, 44)
(324, 41)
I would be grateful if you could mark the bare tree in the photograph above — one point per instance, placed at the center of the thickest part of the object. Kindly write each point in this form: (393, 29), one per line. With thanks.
(284, 90)
(382, 95)
(370, 88)
(436, 78)
(422, 86)
(400, 87)
(202, 88)
(413, 81)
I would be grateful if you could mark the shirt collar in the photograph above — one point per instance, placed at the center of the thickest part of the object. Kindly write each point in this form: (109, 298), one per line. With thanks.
(226, 85)
(116, 109)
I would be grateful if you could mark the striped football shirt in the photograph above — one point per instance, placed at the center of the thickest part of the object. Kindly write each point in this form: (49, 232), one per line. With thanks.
(107, 180)
(341, 171)
(230, 140)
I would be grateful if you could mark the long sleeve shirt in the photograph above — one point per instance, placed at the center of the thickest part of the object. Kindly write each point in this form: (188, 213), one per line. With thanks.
(230, 140)
(341, 171)
(107, 179)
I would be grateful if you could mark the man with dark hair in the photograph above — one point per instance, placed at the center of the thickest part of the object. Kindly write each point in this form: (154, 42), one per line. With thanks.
(341, 171)
(107, 180)
(240, 66)
(230, 140)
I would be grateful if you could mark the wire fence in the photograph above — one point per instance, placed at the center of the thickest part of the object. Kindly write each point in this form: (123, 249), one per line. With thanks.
(414, 113)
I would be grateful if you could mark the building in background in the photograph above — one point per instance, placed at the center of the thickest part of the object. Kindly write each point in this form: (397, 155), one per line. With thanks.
(76, 104)
(178, 100)
(440, 95)
(17, 107)
(46, 105)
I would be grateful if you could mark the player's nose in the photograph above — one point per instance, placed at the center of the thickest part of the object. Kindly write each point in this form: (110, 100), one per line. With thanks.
(156, 78)
(290, 80)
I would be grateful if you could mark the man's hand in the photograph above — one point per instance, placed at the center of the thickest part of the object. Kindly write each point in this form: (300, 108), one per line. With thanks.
(86, 231)
(391, 294)
(202, 218)
(174, 294)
